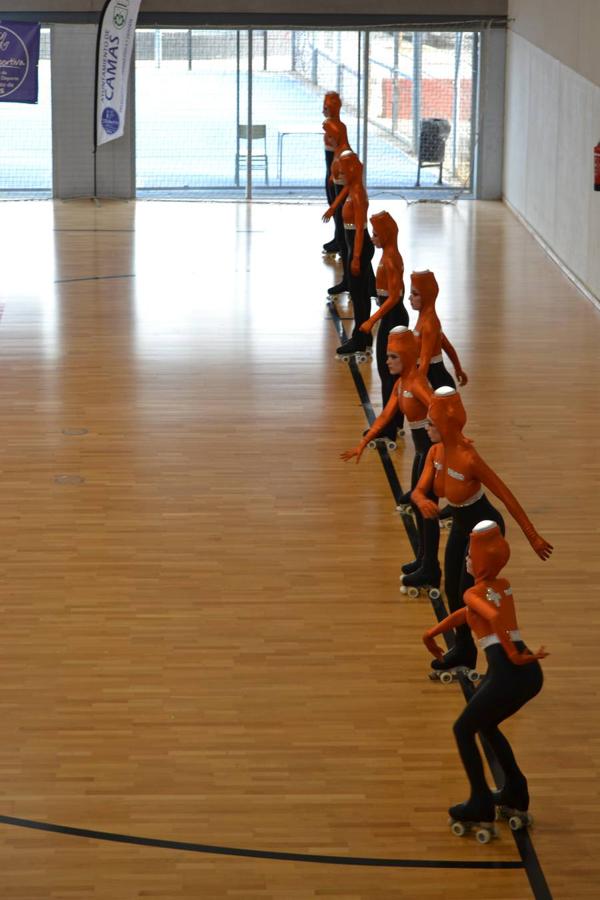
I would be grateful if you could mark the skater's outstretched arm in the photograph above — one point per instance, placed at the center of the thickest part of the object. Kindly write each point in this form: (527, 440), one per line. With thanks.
(383, 419)
(454, 620)
(492, 615)
(448, 348)
(488, 477)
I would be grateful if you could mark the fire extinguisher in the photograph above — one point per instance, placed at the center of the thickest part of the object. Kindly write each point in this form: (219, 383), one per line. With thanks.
(597, 167)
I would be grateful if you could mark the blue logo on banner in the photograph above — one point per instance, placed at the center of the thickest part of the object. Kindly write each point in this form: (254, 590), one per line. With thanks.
(19, 50)
(110, 120)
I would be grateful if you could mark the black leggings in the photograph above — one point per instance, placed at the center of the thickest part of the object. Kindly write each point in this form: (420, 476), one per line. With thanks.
(361, 285)
(340, 234)
(396, 316)
(427, 529)
(329, 188)
(438, 376)
(504, 689)
(456, 578)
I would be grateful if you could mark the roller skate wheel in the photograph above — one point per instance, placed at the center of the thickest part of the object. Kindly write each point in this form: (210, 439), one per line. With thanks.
(413, 592)
(458, 828)
(403, 590)
(391, 445)
(372, 445)
(483, 835)
(446, 678)
(473, 676)
(434, 594)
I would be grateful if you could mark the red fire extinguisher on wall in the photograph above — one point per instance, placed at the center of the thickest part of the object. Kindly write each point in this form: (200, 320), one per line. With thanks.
(597, 167)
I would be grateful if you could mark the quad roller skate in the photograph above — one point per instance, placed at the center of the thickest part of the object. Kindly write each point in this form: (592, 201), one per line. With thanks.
(471, 816)
(421, 581)
(513, 806)
(455, 662)
(516, 818)
(405, 508)
(386, 442)
(339, 288)
(389, 441)
(330, 248)
(445, 517)
(354, 350)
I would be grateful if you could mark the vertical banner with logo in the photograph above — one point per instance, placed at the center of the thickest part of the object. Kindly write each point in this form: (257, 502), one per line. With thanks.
(19, 56)
(116, 33)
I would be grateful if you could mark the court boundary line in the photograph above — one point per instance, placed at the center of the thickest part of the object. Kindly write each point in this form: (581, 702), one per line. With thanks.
(190, 847)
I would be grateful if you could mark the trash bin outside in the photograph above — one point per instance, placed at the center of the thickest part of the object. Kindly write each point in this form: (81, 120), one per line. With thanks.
(432, 144)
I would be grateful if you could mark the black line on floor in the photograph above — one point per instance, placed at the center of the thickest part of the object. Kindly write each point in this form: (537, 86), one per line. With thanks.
(92, 278)
(189, 847)
(522, 838)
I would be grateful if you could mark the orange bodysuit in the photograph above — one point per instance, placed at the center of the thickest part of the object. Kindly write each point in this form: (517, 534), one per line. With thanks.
(512, 679)
(389, 278)
(411, 395)
(428, 331)
(489, 609)
(457, 471)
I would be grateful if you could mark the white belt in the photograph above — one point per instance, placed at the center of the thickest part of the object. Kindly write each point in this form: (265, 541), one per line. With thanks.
(476, 496)
(381, 292)
(490, 639)
(349, 227)
(434, 359)
(339, 181)
(422, 423)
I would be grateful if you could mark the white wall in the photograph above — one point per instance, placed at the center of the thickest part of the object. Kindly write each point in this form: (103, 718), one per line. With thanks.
(552, 124)
(568, 30)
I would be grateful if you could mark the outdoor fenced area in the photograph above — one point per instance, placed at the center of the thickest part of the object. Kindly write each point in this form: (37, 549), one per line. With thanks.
(192, 97)
(408, 97)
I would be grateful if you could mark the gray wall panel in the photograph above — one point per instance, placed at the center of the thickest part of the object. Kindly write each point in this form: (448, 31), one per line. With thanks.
(73, 53)
(73, 82)
(400, 7)
(488, 184)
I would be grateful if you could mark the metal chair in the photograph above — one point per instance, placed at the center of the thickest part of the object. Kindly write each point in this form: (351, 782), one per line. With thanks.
(259, 160)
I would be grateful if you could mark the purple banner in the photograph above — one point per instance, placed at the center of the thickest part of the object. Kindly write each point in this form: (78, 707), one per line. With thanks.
(19, 55)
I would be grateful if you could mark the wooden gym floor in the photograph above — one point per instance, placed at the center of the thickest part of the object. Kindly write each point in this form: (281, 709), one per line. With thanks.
(203, 641)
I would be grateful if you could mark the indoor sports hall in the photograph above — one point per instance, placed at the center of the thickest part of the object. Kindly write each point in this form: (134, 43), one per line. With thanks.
(212, 685)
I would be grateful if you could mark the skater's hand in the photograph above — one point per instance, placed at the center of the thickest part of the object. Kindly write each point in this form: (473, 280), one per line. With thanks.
(431, 645)
(541, 547)
(327, 216)
(366, 327)
(462, 377)
(355, 267)
(348, 454)
(522, 659)
(428, 509)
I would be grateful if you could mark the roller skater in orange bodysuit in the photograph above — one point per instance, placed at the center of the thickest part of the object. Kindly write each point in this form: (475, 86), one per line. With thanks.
(336, 137)
(513, 677)
(389, 280)
(360, 249)
(428, 331)
(411, 394)
(332, 104)
(454, 470)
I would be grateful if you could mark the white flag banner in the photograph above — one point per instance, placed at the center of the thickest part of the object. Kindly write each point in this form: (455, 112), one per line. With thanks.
(116, 34)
